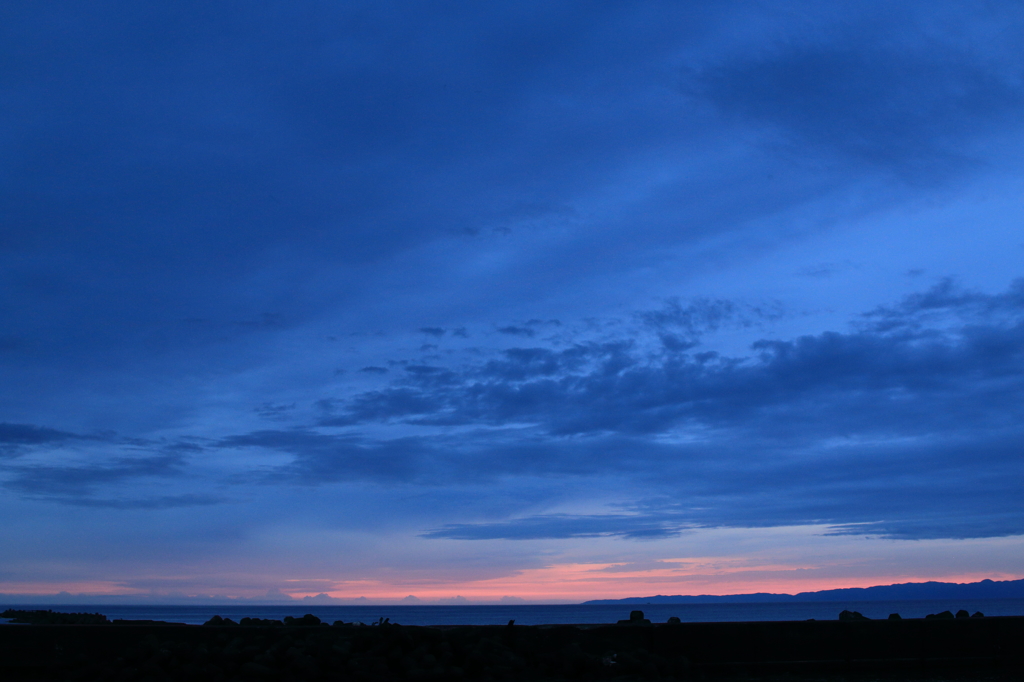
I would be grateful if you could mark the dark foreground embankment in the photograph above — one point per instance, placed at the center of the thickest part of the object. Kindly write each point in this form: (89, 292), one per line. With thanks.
(976, 649)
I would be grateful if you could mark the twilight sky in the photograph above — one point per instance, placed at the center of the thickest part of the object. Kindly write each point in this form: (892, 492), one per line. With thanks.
(548, 300)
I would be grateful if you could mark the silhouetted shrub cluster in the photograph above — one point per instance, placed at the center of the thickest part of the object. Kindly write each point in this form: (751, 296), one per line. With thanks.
(637, 618)
(260, 622)
(948, 615)
(48, 617)
(853, 615)
(945, 615)
(305, 621)
(307, 649)
(361, 652)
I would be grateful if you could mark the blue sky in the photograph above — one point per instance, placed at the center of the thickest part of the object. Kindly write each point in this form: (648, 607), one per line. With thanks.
(547, 301)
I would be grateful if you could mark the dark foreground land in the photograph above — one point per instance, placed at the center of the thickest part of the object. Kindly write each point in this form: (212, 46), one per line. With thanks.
(86, 647)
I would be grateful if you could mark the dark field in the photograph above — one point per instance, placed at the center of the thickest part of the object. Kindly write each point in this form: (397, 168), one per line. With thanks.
(909, 649)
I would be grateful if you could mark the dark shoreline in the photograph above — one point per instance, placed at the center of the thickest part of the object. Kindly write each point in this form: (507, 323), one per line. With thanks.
(967, 649)
(534, 614)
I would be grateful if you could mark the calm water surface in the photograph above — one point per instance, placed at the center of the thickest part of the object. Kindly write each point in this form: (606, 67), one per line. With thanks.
(537, 614)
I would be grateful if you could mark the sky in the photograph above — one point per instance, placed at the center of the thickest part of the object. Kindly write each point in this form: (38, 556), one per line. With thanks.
(542, 301)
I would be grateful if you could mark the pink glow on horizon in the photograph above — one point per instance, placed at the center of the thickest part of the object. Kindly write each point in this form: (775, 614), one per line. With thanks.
(581, 582)
(565, 582)
(557, 583)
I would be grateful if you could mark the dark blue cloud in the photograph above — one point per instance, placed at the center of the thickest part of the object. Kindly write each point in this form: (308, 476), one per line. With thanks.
(64, 482)
(888, 427)
(322, 458)
(946, 299)
(154, 502)
(694, 317)
(512, 330)
(914, 109)
(562, 526)
(616, 386)
(28, 434)
(17, 439)
(274, 411)
(680, 325)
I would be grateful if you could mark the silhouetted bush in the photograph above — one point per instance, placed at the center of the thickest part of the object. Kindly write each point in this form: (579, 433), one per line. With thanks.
(260, 622)
(635, 618)
(852, 615)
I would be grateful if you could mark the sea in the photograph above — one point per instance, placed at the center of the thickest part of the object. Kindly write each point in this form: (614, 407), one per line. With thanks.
(542, 614)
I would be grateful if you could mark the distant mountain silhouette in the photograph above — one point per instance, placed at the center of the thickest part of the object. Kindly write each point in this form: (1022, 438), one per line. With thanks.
(986, 589)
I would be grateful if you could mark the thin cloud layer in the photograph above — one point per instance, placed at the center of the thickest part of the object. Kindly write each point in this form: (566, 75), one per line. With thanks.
(886, 431)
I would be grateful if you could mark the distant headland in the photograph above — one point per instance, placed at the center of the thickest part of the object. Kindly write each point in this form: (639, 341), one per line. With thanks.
(984, 589)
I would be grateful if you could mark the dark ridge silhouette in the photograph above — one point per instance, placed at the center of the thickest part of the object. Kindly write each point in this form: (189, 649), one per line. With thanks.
(850, 648)
(985, 589)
